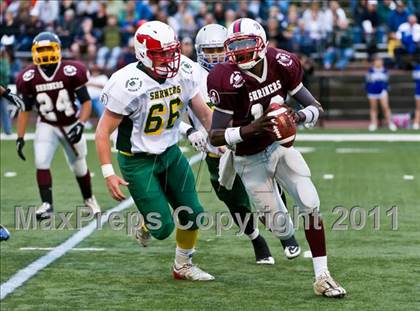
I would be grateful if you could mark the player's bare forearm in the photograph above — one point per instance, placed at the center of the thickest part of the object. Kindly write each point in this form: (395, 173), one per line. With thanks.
(22, 122)
(107, 124)
(85, 111)
(202, 111)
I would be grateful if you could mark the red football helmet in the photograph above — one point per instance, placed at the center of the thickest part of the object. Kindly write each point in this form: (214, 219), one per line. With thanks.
(158, 49)
(246, 44)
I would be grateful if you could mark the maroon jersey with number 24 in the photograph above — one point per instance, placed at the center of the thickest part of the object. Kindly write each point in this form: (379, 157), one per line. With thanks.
(235, 91)
(54, 96)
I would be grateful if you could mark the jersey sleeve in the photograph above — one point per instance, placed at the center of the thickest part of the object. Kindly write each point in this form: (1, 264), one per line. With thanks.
(295, 75)
(219, 92)
(81, 77)
(189, 72)
(24, 87)
(111, 98)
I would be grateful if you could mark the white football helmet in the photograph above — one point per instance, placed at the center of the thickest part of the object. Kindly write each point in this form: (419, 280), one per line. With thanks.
(209, 45)
(246, 43)
(158, 48)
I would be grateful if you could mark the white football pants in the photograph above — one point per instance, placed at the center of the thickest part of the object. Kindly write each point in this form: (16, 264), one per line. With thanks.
(47, 139)
(259, 173)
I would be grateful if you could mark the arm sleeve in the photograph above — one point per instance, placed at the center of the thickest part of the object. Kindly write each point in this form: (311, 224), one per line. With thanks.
(221, 98)
(82, 94)
(29, 103)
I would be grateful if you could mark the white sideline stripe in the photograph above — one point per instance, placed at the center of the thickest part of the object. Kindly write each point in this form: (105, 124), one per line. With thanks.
(299, 137)
(305, 149)
(29, 271)
(357, 150)
(82, 249)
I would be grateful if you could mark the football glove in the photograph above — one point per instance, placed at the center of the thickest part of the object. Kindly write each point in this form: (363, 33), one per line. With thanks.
(75, 133)
(14, 99)
(197, 139)
(20, 143)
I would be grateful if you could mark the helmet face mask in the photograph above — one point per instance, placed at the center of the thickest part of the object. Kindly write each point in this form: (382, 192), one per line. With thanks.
(210, 45)
(46, 49)
(158, 49)
(211, 56)
(247, 46)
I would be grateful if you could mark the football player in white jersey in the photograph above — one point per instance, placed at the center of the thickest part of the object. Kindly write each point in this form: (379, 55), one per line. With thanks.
(145, 100)
(210, 51)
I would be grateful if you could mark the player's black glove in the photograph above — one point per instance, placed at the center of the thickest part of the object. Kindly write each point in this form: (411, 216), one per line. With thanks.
(14, 99)
(75, 133)
(20, 142)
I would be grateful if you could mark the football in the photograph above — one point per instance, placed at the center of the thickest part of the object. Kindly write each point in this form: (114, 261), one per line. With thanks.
(284, 127)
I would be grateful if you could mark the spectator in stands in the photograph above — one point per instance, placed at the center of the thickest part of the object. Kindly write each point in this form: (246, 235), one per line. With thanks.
(85, 41)
(200, 17)
(114, 7)
(409, 35)
(4, 81)
(377, 91)
(397, 17)
(219, 13)
(109, 52)
(340, 46)
(67, 5)
(385, 9)
(187, 48)
(67, 29)
(47, 11)
(188, 27)
(314, 24)
(230, 17)
(101, 18)
(128, 22)
(416, 77)
(96, 83)
(128, 55)
(87, 8)
(143, 10)
(333, 16)
(301, 41)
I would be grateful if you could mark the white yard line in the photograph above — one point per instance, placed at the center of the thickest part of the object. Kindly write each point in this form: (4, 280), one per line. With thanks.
(81, 249)
(328, 176)
(299, 137)
(29, 271)
(408, 177)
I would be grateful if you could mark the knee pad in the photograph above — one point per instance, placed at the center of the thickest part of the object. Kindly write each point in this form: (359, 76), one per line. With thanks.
(79, 167)
(296, 162)
(164, 231)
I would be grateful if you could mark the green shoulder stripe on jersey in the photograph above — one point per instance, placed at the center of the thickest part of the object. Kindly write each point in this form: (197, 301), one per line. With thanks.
(124, 134)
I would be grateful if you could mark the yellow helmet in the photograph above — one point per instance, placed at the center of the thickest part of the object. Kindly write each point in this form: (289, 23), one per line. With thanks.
(46, 49)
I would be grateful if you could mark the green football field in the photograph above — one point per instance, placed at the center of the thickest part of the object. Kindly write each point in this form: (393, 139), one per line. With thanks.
(378, 262)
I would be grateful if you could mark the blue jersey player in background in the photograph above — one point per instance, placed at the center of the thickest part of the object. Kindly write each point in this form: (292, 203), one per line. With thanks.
(377, 91)
(416, 77)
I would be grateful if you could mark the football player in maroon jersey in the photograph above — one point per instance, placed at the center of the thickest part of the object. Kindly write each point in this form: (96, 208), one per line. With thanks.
(52, 85)
(242, 90)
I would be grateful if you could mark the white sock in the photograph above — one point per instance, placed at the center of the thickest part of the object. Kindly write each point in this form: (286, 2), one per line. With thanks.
(320, 265)
(183, 256)
(254, 234)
